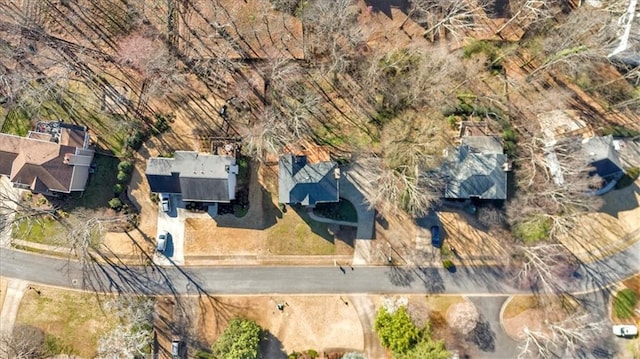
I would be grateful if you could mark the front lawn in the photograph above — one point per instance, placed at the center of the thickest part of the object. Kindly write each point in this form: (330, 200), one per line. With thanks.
(43, 231)
(624, 303)
(72, 321)
(100, 185)
(297, 233)
(17, 123)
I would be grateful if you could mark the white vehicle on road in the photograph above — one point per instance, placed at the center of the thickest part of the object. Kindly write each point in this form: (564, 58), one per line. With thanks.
(625, 330)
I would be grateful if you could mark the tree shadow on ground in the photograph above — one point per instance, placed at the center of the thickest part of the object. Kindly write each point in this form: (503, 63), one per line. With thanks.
(262, 213)
(385, 6)
(400, 276)
(483, 336)
(271, 346)
(431, 279)
(620, 200)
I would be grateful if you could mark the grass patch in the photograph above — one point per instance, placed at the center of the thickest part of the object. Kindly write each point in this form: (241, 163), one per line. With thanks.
(440, 303)
(17, 123)
(339, 211)
(100, 185)
(73, 321)
(620, 131)
(532, 230)
(624, 303)
(297, 234)
(630, 176)
(43, 231)
(519, 304)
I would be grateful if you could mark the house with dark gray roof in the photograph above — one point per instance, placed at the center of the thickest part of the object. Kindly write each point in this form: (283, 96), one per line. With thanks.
(301, 182)
(197, 177)
(55, 159)
(476, 169)
(602, 155)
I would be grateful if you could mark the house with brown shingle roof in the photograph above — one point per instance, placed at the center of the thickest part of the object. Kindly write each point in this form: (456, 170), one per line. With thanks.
(50, 163)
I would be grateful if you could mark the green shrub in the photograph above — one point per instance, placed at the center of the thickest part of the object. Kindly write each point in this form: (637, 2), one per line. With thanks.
(533, 229)
(115, 203)
(134, 140)
(494, 59)
(447, 264)
(629, 177)
(620, 131)
(125, 166)
(396, 330)
(201, 354)
(624, 303)
(312, 353)
(240, 340)
(122, 176)
(161, 123)
(118, 188)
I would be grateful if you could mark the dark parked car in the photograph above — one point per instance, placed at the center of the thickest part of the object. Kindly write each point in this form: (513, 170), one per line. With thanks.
(436, 240)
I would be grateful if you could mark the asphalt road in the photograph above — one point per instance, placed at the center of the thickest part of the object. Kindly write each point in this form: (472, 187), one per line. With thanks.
(295, 279)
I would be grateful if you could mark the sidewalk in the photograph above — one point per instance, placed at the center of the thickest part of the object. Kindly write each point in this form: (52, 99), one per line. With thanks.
(12, 299)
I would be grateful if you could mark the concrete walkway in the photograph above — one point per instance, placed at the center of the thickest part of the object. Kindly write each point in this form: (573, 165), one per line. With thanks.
(13, 296)
(366, 219)
(8, 203)
(367, 313)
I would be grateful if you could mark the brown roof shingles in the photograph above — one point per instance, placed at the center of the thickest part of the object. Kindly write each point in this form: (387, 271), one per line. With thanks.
(35, 163)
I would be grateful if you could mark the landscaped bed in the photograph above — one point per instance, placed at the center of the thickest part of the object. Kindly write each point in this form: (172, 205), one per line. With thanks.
(339, 211)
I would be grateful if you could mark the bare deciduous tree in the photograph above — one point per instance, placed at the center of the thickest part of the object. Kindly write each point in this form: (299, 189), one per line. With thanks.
(556, 184)
(133, 336)
(26, 342)
(335, 31)
(405, 176)
(571, 337)
(445, 18)
(544, 267)
(463, 317)
(586, 38)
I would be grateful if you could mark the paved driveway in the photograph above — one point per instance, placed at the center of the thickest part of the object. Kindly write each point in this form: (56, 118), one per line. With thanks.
(172, 222)
(9, 197)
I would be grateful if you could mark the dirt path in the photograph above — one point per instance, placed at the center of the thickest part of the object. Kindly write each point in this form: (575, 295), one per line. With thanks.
(366, 309)
(13, 296)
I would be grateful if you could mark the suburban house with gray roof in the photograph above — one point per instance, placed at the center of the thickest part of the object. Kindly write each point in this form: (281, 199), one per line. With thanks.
(476, 169)
(602, 155)
(301, 182)
(55, 159)
(197, 177)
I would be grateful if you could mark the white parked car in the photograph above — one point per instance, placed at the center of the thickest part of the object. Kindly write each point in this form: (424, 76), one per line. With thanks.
(161, 244)
(164, 202)
(625, 330)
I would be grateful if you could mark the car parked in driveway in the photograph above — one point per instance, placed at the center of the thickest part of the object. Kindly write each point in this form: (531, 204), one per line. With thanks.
(625, 330)
(176, 345)
(164, 202)
(161, 242)
(436, 240)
